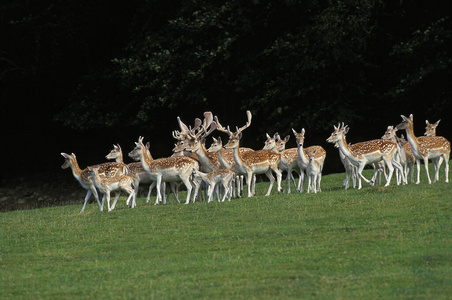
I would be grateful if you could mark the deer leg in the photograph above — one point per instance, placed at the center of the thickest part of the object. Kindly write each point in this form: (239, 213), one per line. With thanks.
(117, 194)
(390, 169)
(151, 186)
(426, 170)
(272, 181)
(159, 185)
(418, 164)
(88, 195)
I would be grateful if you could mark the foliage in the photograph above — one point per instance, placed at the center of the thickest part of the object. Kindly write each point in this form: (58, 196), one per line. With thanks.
(372, 243)
(293, 63)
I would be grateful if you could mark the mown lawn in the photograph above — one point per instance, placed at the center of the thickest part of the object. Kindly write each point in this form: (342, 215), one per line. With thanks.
(391, 243)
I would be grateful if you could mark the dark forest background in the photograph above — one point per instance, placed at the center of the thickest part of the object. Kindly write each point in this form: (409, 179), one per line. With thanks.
(78, 76)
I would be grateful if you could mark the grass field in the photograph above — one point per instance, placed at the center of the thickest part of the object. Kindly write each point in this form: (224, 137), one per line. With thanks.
(390, 243)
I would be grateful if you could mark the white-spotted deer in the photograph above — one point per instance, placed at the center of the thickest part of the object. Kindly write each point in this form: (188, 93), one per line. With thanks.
(303, 160)
(430, 130)
(289, 158)
(223, 176)
(227, 161)
(137, 172)
(111, 169)
(108, 184)
(252, 162)
(405, 155)
(427, 147)
(365, 153)
(171, 169)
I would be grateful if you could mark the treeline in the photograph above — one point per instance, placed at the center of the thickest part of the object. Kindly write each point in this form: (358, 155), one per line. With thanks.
(108, 65)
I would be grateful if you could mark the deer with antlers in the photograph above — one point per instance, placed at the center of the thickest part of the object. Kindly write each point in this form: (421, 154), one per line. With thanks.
(303, 159)
(170, 169)
(252, 162)
(427, 147)
(365, 153)
(111, 169)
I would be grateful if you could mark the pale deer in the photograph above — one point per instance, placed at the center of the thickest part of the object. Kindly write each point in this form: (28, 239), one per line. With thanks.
(313, 171)
(108, 184)
(303, 159)
(405, 158)
(171, 169)
(365, 153)
(350, 169)
(223, 176)
(427, 147)
(111, 169)
(252, 162)
(289, 158)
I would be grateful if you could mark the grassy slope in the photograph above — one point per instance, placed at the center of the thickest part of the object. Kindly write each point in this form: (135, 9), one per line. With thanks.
(393, 242)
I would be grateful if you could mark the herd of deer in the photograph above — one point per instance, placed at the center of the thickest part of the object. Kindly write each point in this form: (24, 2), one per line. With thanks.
(195, 166)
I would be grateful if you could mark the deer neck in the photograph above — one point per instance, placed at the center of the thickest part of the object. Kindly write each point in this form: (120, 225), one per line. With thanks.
(302, 155)
(412, 139)
(238, 158)
(119, 159)
(223, 162)
(76, 171)
(145, 160)
(345, 149)
(208, 161)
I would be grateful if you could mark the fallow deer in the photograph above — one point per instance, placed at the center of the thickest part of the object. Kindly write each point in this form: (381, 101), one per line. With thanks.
(171, 169)
(303, 160)
(111, 169)
(252, 162)
(223, 176)
(108, 184)
(427, 147)
(365, 153)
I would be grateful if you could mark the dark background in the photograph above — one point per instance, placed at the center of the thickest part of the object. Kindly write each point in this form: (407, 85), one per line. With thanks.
(78, 76)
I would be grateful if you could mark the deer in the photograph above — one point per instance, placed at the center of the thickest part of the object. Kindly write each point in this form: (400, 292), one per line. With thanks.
(108, 184)
(138, 173)
(111, 169)
(426, 147)
(405, 155)
(350, 169)
(303, 160)
(430, 130)
(252, 162)
(223, 176)
(170, 169)
(313, 171)
(289, 157)
(365, 153)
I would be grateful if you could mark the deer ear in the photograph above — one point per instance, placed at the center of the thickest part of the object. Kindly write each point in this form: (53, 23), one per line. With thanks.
(287, 138)
(437, 122)
(268, 137)
(294, 132)
(411, 117)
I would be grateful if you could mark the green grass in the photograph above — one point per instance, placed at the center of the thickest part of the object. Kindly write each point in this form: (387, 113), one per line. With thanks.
(391, 243)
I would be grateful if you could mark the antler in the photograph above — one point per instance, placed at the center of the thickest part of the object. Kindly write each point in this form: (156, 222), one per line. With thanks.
(221, 128)
(248, 123)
